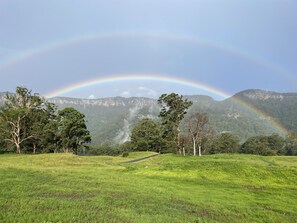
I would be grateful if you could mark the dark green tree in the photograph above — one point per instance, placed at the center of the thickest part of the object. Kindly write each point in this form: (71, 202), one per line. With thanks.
(276, 143)
(264, 145)
(51, 140)
(73, 131)
(225, 143)
(173, 109)
(255, 145)
(291, 145)
(146, 136)
(42, 120)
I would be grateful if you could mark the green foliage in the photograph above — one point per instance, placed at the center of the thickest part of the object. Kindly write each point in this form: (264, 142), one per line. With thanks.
(291, 145)
(146, 136)
(22, 118)
(125, 154)
(72, 129)
(42, 125)
(125, 147)
(264, 145)
(104, 150)
(29, 124)
(173, 109)
(276, 143)
(224, 143)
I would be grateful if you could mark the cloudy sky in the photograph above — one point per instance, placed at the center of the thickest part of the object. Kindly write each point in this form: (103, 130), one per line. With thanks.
(223, 46)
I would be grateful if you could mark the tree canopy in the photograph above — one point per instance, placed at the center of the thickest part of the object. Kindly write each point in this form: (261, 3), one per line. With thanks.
(18, 115)
(72, 129)
(264, 145)
(146, 136)
(173, 109)
(29, 123)
(225, 143)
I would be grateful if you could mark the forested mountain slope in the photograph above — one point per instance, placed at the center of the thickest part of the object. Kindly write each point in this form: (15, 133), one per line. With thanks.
(110, 119)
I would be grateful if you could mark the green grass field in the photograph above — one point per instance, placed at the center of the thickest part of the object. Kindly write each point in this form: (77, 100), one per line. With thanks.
(166, 188)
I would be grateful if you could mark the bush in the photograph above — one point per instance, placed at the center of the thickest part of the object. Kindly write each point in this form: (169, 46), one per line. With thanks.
(125, 154)
(104, 150)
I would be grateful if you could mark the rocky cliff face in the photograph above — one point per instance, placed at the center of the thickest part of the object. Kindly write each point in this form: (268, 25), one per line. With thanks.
(262, 95)
(104, 102)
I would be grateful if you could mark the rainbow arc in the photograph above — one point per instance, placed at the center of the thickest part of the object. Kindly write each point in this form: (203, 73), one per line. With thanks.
(167, 79)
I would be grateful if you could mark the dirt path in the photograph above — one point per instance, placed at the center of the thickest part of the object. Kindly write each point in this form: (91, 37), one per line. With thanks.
(139, 159)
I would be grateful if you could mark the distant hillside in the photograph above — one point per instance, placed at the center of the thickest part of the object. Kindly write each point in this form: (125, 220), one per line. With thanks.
(281, 106)
(110, 120)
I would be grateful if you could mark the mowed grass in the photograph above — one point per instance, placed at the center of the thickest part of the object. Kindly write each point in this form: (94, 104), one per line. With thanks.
(166, 188)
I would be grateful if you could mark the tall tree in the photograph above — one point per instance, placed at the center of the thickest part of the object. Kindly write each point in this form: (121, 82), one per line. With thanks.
(146, 136)
(42, 119)
(14, 116)
(198, 130)
(173, 109)
(72, 129)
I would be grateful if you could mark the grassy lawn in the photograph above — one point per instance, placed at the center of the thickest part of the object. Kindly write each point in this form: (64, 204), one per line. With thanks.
(166, 188)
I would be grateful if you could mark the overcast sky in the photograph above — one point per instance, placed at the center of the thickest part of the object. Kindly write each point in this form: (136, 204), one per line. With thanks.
(47, 45)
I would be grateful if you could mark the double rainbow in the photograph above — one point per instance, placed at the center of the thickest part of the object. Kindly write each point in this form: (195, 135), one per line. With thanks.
(35, 52)
(167, 79)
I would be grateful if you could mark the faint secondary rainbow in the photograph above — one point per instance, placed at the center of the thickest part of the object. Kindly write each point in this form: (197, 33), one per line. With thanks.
(168, 79)
(72, 41)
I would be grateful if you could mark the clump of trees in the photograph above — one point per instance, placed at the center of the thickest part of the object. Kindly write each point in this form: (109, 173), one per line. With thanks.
(167, 136)
(225, 142)
(268, 145)
(147, 136)
(198, 131)
(193, 134)
(30, 124)
(150, 135)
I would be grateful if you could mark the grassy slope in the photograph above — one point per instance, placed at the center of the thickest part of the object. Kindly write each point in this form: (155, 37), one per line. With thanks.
(167, 188)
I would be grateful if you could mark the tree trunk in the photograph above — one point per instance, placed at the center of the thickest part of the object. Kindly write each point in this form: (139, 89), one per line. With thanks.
(65, 149)
(184, 151)
(199, 149)
(34, 148)
(194, 147)
(178, 150)
(18, 148)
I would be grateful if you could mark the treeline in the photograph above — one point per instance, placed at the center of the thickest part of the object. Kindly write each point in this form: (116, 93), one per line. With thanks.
(192, 135)
(30, 124)
(146, 137)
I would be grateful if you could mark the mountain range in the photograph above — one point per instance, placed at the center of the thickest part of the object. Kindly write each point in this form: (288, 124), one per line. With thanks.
(247, 113)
